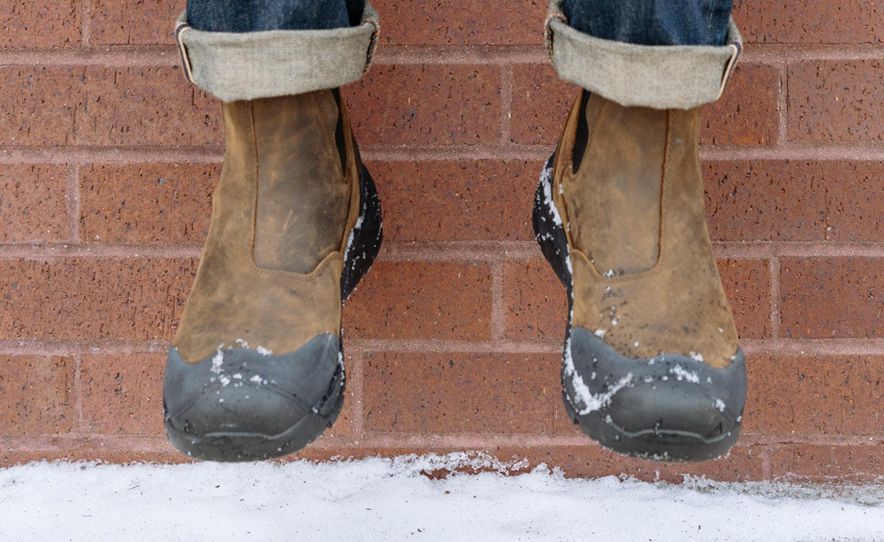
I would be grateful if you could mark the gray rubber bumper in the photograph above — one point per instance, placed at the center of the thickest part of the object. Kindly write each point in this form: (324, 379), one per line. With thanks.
(241, 404)
(670, 407)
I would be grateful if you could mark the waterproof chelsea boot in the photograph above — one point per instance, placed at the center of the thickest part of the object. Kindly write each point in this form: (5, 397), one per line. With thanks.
(257, 368)
(652, 364)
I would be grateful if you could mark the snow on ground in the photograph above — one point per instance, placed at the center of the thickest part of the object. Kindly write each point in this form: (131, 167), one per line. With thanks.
(389, 500)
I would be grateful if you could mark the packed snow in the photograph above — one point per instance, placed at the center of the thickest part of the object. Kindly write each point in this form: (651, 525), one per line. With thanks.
(389, 500)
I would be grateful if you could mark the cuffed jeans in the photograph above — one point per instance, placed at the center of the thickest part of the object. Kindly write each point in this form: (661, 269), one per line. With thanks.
(643, 22)
(654, 53)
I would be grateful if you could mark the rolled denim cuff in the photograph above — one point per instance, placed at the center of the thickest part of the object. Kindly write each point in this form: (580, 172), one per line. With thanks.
(657, 76)
(249, 65)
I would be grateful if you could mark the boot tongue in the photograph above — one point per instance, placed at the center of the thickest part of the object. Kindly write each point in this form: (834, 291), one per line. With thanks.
(614, 199)
(303, 196)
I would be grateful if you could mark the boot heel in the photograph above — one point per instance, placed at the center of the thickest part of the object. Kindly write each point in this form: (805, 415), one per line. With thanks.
(366, 238)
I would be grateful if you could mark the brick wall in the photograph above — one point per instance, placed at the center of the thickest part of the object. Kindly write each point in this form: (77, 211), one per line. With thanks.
(108, 160)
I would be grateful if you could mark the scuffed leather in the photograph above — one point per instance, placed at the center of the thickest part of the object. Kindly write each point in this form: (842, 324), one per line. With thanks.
(647, 290)
(302, 193)
(275, 305)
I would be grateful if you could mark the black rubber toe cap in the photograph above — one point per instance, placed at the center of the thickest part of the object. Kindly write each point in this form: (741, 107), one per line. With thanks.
(668, 407)
(242, 404)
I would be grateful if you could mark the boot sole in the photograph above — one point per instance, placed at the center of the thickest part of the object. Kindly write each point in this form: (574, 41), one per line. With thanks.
(362, 249)
(650, 442)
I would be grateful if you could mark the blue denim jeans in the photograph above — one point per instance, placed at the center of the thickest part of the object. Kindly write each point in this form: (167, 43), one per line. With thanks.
(646, 22)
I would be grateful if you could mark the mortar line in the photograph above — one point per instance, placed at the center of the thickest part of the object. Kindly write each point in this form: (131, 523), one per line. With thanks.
(498, 311)
(781, 346)
(80, 424)
(766, 470)
(357, 388)
(387, 153)
(394, 441)
(96, 251)
(86, 24)
(166, 54)
(506, 103)
(783, 106)
(85, 155)
(72, 201)
(458, 251)
(774, 270)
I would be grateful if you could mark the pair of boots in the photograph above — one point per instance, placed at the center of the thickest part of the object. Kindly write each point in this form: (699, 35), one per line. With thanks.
(651, 367)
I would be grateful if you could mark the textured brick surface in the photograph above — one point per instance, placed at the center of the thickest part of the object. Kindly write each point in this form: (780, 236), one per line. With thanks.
(747, 112)
(540, 104)
(421, 300)
(747, 285)
(133, 22)
(123, 395)
(832, 297)
(461, 22)
(457, 201)
(810, 21)
(787, 200)
(36, 395)
(32, 203)
(38, 104)
(145, 106)
(39, 25)
(535, 301)
(836, 102)
(426, 105)
(821, 462)
(415, 393)
(105, 299)
(146, 203)
(826, 395)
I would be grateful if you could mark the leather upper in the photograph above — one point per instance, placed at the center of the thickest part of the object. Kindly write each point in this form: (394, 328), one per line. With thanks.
(282, 212)
(644, 275)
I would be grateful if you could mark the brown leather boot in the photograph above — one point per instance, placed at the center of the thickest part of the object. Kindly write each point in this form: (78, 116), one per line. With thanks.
(652, 363)
(257, 367)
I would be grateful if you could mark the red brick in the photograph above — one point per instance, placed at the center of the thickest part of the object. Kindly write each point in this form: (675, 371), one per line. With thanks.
(823, 395)
(783, 200)
(815, 21)
(536, 304)
(540, 104)
(821, 462)
(123, 395)
(39, 25)
(457, 201)
(38, 105)
(461, 393)
(145, 106)
(93, 300)
(426, 105)
(747, 285)
(32, 203)
(747, 112)
(36, 395)
(146, 203)
(535, 301)
(461, 22)
(133, 22)
(836, 102)
(422, 300)
(826, 298)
